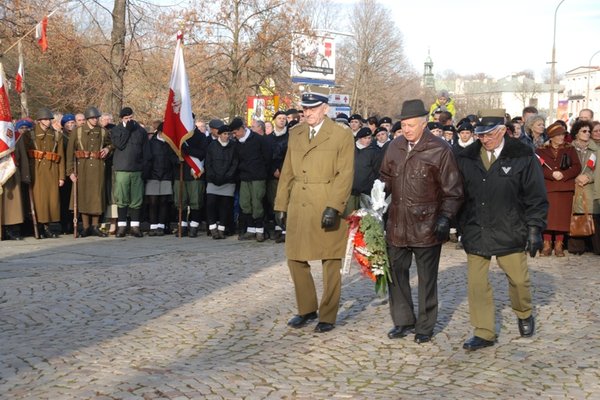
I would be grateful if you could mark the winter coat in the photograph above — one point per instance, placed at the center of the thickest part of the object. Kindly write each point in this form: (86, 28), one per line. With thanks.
(132, 149)
(315, 175)
(90, 185)
(560, 193)
(278, 146)
(502, 202)
(449, 106)
(13, 210)
(195, 146)
(254, 158)
(163, 161)
(46, 174)
(425, 184)
(221, 163)
(367, 162)
(588, 189)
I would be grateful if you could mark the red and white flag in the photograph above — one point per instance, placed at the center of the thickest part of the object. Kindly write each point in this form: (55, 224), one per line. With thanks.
(178, 124)
(591, 162)
(19, 77)
(541, 160)
(8, 136)
(40, 34)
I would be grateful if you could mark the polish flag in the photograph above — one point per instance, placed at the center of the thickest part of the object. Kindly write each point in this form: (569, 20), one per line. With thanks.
(8, 136)
(178, 124)
(542, 162)
(591, 162)
(40, 34)
(19, 78)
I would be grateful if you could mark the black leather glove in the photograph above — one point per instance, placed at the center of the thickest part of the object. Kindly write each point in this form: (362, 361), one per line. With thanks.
(442, 228)
(130, 125)
(330, 218)
(280, 217)
(534, 241)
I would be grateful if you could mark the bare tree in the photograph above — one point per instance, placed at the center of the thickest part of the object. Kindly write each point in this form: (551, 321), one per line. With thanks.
(247, 44)
(526, 90)
(380, 71)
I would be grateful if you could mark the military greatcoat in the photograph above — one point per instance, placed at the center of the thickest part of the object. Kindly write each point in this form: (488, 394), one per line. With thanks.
(315, 175)
(13, 210)
(46, 171)
(84, 147)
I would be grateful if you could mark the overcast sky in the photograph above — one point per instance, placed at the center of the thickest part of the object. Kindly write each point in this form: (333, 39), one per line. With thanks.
(497, 37)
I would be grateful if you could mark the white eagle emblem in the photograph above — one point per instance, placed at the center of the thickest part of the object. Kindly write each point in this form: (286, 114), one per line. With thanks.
(176, 105)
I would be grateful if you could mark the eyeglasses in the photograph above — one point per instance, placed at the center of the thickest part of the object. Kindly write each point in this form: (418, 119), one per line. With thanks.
(584, 130)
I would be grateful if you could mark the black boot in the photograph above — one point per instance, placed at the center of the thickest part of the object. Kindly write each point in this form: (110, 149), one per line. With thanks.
(121, 231)
(136, 232)
(13, 233)
(193, 231)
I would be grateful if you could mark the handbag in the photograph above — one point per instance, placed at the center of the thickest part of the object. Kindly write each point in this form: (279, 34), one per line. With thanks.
(565, 162)
(581, 224)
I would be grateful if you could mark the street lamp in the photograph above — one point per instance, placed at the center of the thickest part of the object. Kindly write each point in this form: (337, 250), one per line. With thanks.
(587, 96)
(553, 67)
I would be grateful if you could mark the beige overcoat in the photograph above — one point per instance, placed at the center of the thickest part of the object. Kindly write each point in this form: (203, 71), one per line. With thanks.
(315, 175)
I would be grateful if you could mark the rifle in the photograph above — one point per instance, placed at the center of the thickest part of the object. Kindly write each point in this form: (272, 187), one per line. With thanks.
(75, 220)
(36, 233)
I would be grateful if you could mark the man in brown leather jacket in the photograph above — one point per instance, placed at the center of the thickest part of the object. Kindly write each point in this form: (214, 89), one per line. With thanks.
(421, 174)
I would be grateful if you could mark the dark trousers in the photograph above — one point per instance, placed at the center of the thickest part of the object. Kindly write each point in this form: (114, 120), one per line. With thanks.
(219, 209)
(158, 209)
(401, 303)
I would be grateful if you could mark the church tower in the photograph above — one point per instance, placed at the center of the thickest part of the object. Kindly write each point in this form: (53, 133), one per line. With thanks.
(428, 80)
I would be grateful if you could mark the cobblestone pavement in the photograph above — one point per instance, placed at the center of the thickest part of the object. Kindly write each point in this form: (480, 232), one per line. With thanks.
(169, 318)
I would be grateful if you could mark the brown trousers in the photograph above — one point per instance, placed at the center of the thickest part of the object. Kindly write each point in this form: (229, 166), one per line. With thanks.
(306, 295)
(481, 296)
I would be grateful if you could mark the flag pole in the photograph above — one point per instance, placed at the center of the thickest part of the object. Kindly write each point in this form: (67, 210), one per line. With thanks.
(23, 94)
(26, 34)
(180, 196)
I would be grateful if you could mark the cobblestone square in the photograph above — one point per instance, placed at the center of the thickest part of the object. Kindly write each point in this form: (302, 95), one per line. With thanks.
(169, 318)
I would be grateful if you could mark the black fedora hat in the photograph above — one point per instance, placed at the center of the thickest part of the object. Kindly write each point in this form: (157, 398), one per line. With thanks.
(413, 108)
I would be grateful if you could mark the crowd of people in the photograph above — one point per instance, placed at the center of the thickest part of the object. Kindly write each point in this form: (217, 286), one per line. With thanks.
(126, 173)
(496, 186)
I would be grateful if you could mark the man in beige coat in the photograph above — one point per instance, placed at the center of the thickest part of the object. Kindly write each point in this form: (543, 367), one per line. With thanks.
(314, 186)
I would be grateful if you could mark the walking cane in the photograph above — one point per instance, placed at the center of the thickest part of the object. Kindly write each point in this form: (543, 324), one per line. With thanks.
(36, 233)
(75, 220)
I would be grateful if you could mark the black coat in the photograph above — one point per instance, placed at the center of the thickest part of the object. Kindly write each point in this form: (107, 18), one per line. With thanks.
(221, 163)
(367, 162)
(195, 146)
(163, 161)
(500, 204)
(132, 148)
(254, 158)
(278, 146)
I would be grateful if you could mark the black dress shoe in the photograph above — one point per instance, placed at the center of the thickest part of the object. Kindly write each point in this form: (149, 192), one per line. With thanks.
(398, 332)
(299, 321)
(422, 338)
(323, 327)
(95, 231)
(476, 343)
(527, 326)
(136, 232)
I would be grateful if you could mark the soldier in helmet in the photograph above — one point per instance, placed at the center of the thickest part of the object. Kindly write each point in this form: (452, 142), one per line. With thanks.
(89, 145)
(47, 166)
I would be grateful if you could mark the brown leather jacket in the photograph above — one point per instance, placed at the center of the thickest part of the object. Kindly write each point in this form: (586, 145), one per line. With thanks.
(424, 184)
